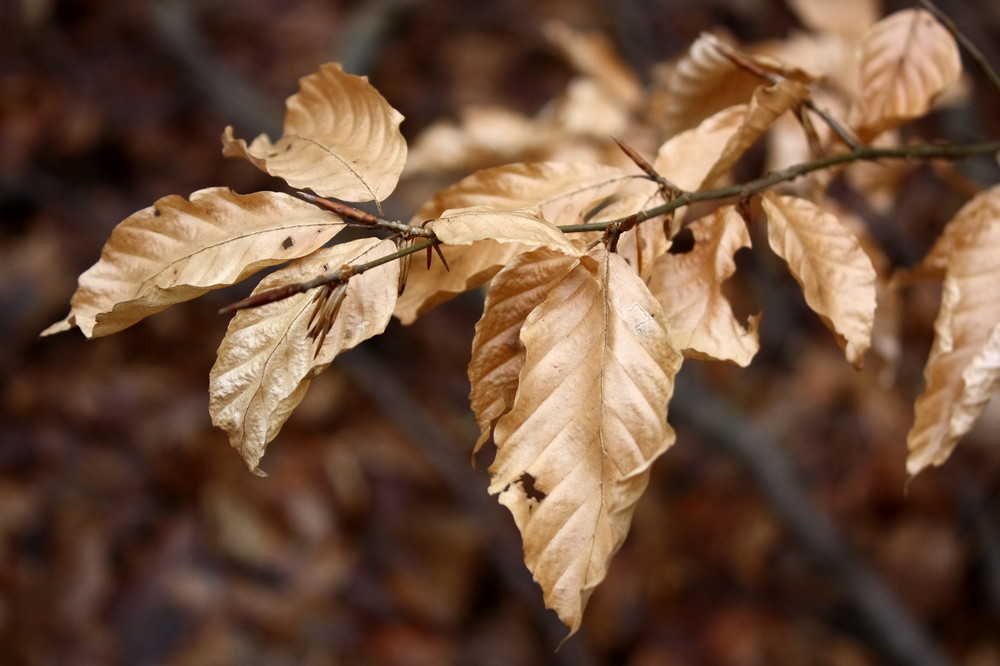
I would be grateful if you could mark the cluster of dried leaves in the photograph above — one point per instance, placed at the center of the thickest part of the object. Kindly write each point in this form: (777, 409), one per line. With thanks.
(590, 308)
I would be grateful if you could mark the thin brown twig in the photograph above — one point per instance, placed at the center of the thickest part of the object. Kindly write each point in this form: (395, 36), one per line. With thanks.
(925, 151)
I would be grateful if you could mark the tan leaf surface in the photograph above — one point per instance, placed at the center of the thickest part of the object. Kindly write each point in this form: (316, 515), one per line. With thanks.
(689, 287)
(907, 60)
(688, 157)
(481, 137)
(466, 226)
(573, 455)
(766, 105)
(702, 83)
(178, 249)
(848, 18)
(964, 364)
(563, 193)
(267, 359)
(341, 139)
(827, 260)
(497, 352)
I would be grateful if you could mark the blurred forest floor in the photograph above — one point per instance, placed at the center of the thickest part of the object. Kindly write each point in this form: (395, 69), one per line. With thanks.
(130, 533)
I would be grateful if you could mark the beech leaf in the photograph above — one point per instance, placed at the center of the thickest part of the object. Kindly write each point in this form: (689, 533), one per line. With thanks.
(688, 157)
(268, 358)
(703, 82)
(964, 364)
(766, 105)
(689, 287)
(466, 226)
(836, 275)
(497, 352)
(562, 193)
(178, 249)
(574, 452)
(341, 139)
(907, 60)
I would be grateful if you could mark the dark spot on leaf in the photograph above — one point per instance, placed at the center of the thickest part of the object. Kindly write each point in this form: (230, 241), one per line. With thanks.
(683, 242)
(530, 491)
(287, 243)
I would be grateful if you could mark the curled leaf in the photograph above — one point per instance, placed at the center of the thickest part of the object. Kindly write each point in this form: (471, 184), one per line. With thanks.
(907, 60)
(964, 364)
(827, 260)
(574, 452)
(766, 105)
(268, 357)
(178, 249)
(497, 352)
(688, 157)
(341, 139)
(689, 287)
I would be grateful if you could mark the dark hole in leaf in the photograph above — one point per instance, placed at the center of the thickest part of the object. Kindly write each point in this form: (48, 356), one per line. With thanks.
(287, 243)
(530, 491)
(683, 242)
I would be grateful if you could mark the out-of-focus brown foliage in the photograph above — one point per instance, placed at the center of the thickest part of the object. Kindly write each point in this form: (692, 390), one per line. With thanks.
(131, 533)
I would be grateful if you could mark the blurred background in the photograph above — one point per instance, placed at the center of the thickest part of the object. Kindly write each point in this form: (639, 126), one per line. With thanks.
(780, 529)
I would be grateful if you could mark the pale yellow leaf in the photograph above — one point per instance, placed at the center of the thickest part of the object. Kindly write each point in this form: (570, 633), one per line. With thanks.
(827, 260)
(341, 139)
(689, 287)
(847, 18)
(589, 418)
(702, 83)
(267, 358)
(964, 363)
(908, 60)
(766, 105)
(497, 352)
(563, 194)
(178, 249)
(466, 226)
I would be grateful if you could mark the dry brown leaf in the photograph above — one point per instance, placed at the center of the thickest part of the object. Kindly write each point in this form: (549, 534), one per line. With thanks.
(483, 136)
(702, 83)
(847, 18)
(766, 105)
(908, 60)
(689, 287)
(573, 454)
(267, 358)
(341, 139)
(497, 352)
(964, 364)
(688, 157)
(563, 193)
(178, 249)
(827, 260)
(593, 55)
